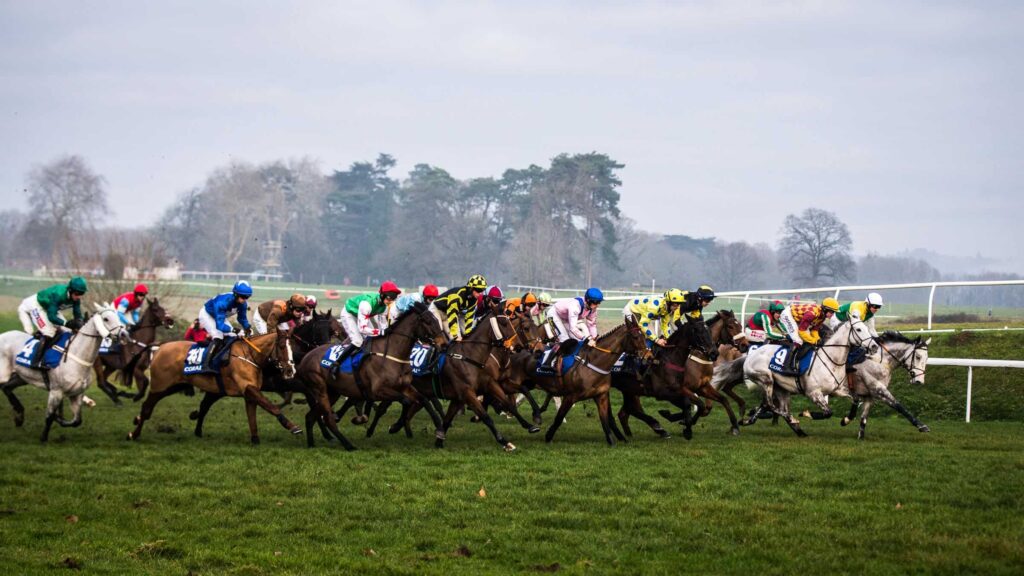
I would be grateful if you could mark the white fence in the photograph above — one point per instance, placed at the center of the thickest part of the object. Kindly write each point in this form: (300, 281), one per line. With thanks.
(971, 364)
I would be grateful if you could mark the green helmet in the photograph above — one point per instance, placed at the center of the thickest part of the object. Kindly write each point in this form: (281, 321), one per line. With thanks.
(776, 306)
(78, 284)
(544, 298)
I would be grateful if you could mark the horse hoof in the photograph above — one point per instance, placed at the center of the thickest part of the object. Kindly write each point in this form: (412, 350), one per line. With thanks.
(734, 431)
(295, 430)
(255, 440)
(137, 420)
(357, 420)
(924, 428)
(131, 436)
(510, 447)
(533, 429)
(844, 421)
(662, 433)
(801, 434)
(688, 434)
(474, 419)
(193, 415)
(860, 435)
(438, 443)
(805, 414)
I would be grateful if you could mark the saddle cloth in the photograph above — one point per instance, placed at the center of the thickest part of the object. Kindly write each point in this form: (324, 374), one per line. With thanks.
(197, 352)
(53, 355)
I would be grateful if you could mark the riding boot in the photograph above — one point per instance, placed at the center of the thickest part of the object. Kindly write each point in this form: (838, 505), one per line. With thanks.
(791, 358)
(211, 351)
(45, 342)
(556, 351)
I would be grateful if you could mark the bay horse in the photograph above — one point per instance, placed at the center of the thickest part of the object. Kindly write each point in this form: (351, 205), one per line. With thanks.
(472, 369)
(241, 375)
(69, 379)
(826, 375)
(137, 354)
(590, 375)
(875, 373)
(383, 374)
(303, 338)
(676, 373)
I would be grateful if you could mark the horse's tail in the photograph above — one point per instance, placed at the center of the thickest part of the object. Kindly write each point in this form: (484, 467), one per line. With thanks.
(730, 373)
(128, 372)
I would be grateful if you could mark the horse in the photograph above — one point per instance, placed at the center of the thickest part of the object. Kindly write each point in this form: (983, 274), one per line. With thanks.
(383, 374)
(241, 375)
(727, 336)
(304, 338)
(590, 376)
(825, 377)
(69, 379)
(472, 368)
(137, 354)
(680, 370)
(873, 375)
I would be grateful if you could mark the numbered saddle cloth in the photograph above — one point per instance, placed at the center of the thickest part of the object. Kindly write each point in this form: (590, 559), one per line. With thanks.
(424, 362)
(110, 347)
(778, 361)
(197, 353)
(626, 363)
(350, 364)
(52, 357)
(567, 361)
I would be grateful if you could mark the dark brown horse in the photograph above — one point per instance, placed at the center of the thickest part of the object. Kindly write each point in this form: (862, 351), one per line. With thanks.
(730, 341)
(383, 374)
(304, 338)
(242, 375)
(137, 354)
(590, 376)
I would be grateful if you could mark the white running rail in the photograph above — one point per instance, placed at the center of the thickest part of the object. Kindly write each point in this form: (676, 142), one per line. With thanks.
(971, 364)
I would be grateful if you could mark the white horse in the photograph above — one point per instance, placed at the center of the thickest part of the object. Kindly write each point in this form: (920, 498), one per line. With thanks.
(825, 377)
(70, 379)
(873, 375)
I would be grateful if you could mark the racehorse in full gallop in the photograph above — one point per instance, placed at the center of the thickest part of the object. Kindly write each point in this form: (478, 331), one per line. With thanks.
(825, 377)
(133, 358)
(70, 378)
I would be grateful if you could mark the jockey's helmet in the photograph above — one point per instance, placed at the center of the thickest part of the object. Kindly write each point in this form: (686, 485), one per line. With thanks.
(675, 296)
(77, 284)
(297, 302)
(242, 288)
(430, 291)
(389, 290)
(545, 299)
(310, 301)
(476, 282)
(528, 299)
(141, 289)
(494, 293)
(874, 299)
(593, 295)
(830, 304)
(706, 293)
(776, 306)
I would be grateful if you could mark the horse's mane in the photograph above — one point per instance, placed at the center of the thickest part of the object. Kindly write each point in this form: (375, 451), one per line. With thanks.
(610, 332)
(711, 321)
(890, 336)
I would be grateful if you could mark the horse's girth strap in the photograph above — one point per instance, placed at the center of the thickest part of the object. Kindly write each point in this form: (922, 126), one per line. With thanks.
(390, 357)
(78, 360)
(700, 360)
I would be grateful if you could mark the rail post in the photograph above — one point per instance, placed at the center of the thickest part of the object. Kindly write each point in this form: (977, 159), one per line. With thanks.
(970, 374)
(931, 301)
(743, 310)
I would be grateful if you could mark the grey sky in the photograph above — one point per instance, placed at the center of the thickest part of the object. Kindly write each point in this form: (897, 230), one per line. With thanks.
(901, 117)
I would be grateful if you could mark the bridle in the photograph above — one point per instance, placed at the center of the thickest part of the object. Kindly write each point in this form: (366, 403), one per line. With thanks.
(913, 371)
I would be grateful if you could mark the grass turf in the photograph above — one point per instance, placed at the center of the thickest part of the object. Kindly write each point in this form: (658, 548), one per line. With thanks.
(764, 502)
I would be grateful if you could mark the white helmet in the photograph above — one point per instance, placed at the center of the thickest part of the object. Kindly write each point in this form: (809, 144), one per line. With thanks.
(310, 300)
(874, 299)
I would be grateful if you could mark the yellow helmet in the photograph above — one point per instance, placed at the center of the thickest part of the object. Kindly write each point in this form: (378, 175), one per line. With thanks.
(830, 304)
(675, 296)
(477, 282)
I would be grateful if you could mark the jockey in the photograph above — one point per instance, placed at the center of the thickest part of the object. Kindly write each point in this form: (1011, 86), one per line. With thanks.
(455, 309)
(656, 316)
(492, 296)
(214, 314)
(279, 314)
(40, 313)
(802, 320)
(360, 310)
(544, 302)
(764, 325)
(863, 311)
(575, 319)
(694, 302)
(130, 302)
(525, 305)
(310, 307)
(407, 301)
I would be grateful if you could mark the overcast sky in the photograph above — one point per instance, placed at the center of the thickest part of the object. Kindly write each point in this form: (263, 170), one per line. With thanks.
(904, 118)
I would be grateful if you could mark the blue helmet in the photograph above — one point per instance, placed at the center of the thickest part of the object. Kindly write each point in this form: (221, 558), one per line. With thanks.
(242, 288)
(594, 295)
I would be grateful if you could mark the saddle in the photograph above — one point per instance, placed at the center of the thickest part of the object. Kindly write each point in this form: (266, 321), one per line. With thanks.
(789, 362)
(194, 359)
(52, 357)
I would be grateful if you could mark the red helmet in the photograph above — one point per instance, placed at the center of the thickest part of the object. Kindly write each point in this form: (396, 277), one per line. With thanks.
(430, 291)
(495, 293)
(389, 287)
(141, 289)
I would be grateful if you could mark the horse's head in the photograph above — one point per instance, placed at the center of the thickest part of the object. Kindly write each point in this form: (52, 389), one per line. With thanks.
(861, 336)
(502, 332)
(427, 326)
(732, 331)
(282, 354)
(636, 342)
(108, 323)
(529, 333)
(160, 315)
(917, 361)
(320, 328)
(337, 330)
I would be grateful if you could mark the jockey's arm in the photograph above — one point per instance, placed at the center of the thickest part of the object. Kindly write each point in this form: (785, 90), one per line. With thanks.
(452, 310)
(363, 320)
(773, 332)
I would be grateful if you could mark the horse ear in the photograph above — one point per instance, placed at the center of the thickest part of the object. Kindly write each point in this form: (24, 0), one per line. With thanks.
(96, 305)
(927, 342)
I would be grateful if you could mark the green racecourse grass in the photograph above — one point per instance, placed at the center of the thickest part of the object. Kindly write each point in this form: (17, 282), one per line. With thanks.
(764, 502)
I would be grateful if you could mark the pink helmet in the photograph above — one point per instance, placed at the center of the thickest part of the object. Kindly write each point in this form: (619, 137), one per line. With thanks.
(310, 301)
(495, 293)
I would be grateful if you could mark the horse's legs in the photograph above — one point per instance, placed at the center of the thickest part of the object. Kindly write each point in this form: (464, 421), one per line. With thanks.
(783, 410)
(442, 433)
(884, 395)
(382, 408)
(146, 413)
(104, 385)
(864, 418)
(250, 414)
(53, 405)
(604, 411)
(854, 403)
(631, 406)
(821, 401)
(209, 399)
(76, 412)
(320, 411)
(508, 405)
(547, 401)
(431, 405)
(477, 407)
(251, 392)
(708, 391)
(567, 403)
(141, 381)
(19, 408)
(728, 390)
(534, 406)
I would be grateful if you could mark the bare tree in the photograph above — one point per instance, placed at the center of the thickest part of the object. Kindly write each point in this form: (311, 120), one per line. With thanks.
(735, 266)
(815, 247)
(66, 195)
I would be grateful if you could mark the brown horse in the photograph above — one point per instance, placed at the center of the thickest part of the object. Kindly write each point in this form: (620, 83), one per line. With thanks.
(590, 375)
(136, 354)
(383, 375)
(728, 337)
(672, 376)
(240, 376)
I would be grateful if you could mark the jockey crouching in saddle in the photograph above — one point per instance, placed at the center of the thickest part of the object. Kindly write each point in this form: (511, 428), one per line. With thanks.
(407, 301)
(214, 314)
(764, 327)
(490, 297)
(525, 306)
(865, 312)
(130, 302)
(455, 309)
(575, 320)
(801, 322)
(279, 314)
(366, 315)
(655, 316)
(40, 314)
